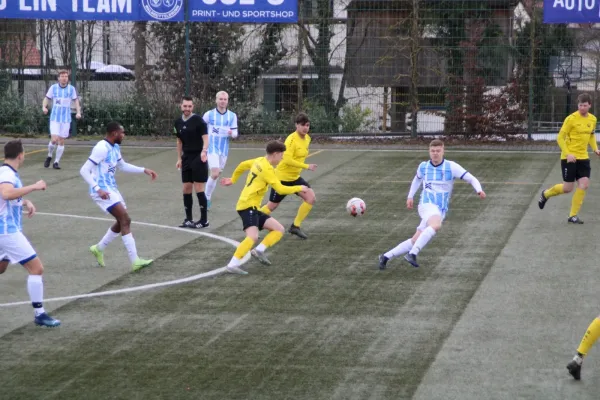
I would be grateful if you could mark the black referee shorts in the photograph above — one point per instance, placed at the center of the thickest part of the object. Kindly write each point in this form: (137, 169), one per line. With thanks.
(572, 172)
(193, 169)
(253, 217)
(277, 198)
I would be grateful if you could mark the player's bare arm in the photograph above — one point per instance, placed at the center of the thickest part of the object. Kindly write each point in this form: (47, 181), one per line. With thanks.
(30, 208)
(78, 109)
(9, 192)
(45, 105)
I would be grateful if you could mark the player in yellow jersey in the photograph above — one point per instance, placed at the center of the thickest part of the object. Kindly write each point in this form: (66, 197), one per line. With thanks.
(574, 137)
(288, 171)
(260, 177)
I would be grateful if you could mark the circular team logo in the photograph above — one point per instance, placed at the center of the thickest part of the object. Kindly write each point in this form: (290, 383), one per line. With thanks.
(162, 9)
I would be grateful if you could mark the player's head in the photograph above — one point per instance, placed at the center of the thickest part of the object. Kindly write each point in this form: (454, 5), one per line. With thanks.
(584, 102)
(187, 106)
(63, 77)
(222, 99)
(14, 151)
(436, 151)
(115, 132)
(302, 123)
(275, 150)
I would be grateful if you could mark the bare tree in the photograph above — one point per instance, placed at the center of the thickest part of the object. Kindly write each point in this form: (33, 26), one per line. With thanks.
(140, 56)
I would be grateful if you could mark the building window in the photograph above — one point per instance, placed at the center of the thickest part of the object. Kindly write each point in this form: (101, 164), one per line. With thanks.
(282, 93)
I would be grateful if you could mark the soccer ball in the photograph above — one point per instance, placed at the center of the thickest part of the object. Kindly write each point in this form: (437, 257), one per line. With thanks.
(356, 206)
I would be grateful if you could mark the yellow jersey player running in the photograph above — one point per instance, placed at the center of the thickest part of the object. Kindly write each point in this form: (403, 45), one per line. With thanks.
(288, 171)
(574, 136)
(261, 176)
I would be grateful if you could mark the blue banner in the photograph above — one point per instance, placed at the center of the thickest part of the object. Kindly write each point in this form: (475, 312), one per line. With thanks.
(232, 11)
(102, 10)
(246, 11)
(567, 11)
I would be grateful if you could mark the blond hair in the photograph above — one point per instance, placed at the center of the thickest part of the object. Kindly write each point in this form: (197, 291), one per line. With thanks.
(221, 92)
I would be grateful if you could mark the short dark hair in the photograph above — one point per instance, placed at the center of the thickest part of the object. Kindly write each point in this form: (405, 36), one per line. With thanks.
(584, 98)
(187, 98)
(12, 149)
(436, 143)
(113, 127)
(275, 146)
(302, 119)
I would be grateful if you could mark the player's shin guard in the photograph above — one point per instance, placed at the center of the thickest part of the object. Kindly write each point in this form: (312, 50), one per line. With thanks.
(188, 203)
(265, 210)
(35, 288)
(400, 250)
(203, 206)
(59, 152)
(591, 336)
(422, 241)
(577, 201)
(270, 240)
(303, 212)
(554, 191)
(50, 149)
(243, 248)
(211, 184)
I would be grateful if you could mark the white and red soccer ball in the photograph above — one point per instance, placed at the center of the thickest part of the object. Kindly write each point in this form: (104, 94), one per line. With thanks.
(356, 207)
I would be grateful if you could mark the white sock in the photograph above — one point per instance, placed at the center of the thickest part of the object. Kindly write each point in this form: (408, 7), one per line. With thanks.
(50, 149)
(129, 243)
(422, 241)
(108, 237)
(211, 184)
(261, 248)
(59, 153)
(35, 288)
(234, 262)
(399, 250)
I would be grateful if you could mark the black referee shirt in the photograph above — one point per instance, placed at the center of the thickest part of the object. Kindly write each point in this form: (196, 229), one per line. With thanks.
(190, 133)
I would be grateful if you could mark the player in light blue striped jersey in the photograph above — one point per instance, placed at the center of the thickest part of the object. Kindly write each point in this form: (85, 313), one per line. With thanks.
(61, 94)
(436, 177)
(99, 173)
(222, 125)
(14, 246)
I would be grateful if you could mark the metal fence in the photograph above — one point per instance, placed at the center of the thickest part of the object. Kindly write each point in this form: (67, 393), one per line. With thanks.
(471, 68)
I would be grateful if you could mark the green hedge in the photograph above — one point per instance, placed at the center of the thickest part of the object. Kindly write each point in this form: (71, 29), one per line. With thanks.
(143, 118)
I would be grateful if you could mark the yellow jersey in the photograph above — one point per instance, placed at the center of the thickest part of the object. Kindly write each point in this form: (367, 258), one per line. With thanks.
(261, 176)
(576, 133)
(293, 159)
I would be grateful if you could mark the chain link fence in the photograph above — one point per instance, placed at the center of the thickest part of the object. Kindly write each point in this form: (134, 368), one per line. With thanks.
(474, 69)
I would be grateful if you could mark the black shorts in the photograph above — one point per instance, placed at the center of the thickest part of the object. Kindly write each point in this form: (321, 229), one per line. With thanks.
(277, 198)
(193, 169)
(253, 217)
(572, 172)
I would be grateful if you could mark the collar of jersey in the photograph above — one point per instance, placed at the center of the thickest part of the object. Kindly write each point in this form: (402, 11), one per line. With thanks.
(185, 120)
(112, 144)
(435, 166)
(217, 110)
(9, 166)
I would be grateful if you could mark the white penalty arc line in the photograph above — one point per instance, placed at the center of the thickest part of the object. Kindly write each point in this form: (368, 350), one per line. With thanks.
(192, 278)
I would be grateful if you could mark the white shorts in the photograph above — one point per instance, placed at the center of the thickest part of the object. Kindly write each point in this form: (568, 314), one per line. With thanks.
(15, 248)
(61, 129)
(108, 204)
(427, 211)
(216, 161)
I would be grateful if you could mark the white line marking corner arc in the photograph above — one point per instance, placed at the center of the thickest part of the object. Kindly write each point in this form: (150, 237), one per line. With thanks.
(192, 278)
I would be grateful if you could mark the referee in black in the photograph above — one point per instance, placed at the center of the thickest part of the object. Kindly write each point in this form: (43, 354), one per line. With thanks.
(192, 146)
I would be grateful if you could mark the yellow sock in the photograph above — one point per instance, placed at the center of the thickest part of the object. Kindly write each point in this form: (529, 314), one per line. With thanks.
(243, 248)
(272, 238)
(265, 210)
(302, 213)
(591, 335)
(577, 201)
(554, 191)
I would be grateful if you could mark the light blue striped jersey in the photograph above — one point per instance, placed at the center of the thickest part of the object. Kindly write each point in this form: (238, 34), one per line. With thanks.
(106, 157)
(11, 211)
(61, 102)
(438, 182)
(218, 130)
